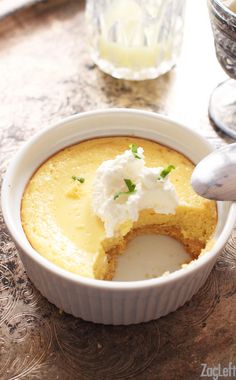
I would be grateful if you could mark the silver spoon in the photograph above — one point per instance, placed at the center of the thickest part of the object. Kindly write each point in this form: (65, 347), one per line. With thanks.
(215, 176)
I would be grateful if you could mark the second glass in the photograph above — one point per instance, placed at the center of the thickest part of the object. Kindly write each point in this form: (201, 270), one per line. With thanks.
(222, 106)
(135, 39)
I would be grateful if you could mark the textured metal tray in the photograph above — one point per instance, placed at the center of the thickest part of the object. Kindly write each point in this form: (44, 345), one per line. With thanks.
(8, 7)
(46, 74)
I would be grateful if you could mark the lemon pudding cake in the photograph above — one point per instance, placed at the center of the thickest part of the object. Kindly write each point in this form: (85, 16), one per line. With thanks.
(83, 205)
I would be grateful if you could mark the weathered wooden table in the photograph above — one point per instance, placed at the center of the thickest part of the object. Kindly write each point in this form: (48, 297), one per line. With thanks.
(46, 74)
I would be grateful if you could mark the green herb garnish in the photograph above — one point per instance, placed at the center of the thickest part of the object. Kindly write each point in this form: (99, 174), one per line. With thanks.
(131, 189)
(166, 171)
(134, 150)
(77, 178)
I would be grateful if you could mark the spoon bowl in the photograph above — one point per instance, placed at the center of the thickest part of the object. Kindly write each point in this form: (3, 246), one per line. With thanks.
(215, 176)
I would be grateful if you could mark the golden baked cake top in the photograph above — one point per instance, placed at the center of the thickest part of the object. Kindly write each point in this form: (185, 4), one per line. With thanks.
(60, 223)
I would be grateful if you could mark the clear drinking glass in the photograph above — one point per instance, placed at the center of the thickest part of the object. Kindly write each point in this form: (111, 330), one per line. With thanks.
(222, 106)
(135, 39)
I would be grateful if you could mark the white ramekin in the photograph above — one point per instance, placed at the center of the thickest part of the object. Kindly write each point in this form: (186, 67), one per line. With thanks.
(103, 301)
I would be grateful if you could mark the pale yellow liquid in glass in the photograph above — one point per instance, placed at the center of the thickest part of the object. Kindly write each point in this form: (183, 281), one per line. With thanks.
(129, 50)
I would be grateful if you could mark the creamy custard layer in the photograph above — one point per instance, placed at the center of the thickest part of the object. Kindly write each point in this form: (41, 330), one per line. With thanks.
(59, 222)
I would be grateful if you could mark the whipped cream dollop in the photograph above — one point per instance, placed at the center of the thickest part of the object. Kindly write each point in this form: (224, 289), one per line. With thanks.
(151, 191)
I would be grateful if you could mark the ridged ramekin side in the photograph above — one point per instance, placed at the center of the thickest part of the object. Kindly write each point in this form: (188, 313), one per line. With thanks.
(120, 307)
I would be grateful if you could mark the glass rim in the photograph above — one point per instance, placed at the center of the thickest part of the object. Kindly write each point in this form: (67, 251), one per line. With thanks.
(223, 6)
